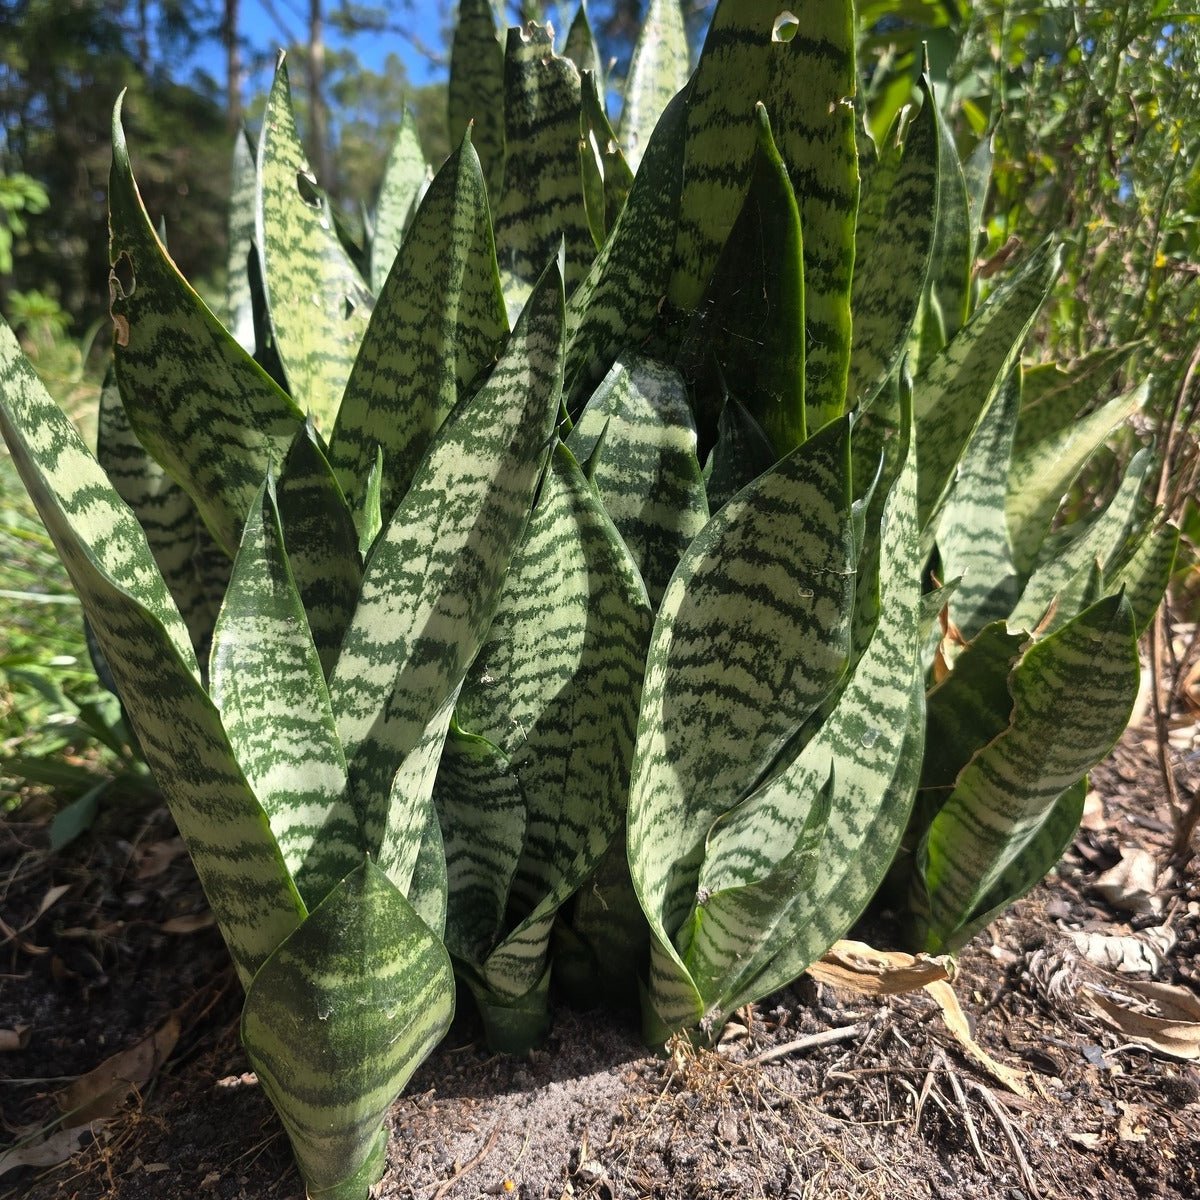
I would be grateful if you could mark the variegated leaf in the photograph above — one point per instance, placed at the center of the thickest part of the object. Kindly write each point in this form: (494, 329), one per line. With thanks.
(953, 252)
(853, 782)
(1051, 397)
(892, 253)
(150, 655)
(321, 544)
(1146, 574)
(639, 440)
(267, 684)
(1076, 547)
(616, 306)
(541, 204)
(239, 304)
(1072, 694)
(606, 176)
(807, 82)
(960, 384)
(436, 328)
(337, 1020)
(319, 304)
(581, 48)
(753, 633)
(742, 452)
(194, 570)
(752, 318)
(658, 69)
(433, 581)
(1042, 473)
(405, 178)
(972, 533)
(196, 400)
(477, 88)
(483, 818)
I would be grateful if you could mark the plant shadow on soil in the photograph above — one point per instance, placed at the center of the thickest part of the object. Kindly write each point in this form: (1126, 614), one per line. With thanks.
(893, 1110)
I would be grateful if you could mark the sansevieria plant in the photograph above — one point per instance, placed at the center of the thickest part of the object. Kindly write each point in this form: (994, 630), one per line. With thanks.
(580, 581)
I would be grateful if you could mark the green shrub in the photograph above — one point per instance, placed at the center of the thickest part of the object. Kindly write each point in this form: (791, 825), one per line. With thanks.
(597, 644)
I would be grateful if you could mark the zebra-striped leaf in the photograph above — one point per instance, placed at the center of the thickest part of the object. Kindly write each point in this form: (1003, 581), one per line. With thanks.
(476, 90)
(616, 306)
(1051, 396)
(483, 818)
(337, 1020)
(960, 384)
(1075, 548)
(150, 655)
(321, 543)
(639, 427)
(977, 174)
(658, 69)
(267, 685)
(436, 328)
(752, 634)
(541, 203)
(972, 533)
(433, 581)
(864, 755)
(752, 319)
(1144, 577)
(1072, 694)
(197, 401)
(892, 253)
(954, 239)
(404, 179)
(319, 304)
(606, 176)
(807, 83)
(556, 686)
(1042, 473)
(194, 569)
(742, 452)
(581, 48)
(239, 303)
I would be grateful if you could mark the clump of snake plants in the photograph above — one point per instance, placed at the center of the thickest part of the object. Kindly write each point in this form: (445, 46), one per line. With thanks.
(550, 587)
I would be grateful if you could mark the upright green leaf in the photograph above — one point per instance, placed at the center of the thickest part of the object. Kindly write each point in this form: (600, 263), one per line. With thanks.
(541, 203)
(1042, 473)
(338, 1019)
(321, 544)
(404, 178)
(639, 427)
(183, 549)
(1146, 574)
(436, 328)
(1051, 397)
(319, 304)
(952, 395)
(616, 306)
(174, 360)
(973, 533)
(150, 655)
(954, 241)
(239, 304)
(606, 176)
(477, 88)
(433, 581)
(1071, 697)
(581, 48)
(892, 253)
(742, 452)
(1075, 548)
(801, 67)
(753, 633)
(977, 174)
(658, 69)
(267, 685)
(752, 320)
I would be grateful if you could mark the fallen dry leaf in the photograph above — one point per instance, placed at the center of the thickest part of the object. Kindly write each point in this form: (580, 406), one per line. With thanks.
(101, 1092)
(957, 1023)
(1131, 1127)
(189, 923)
(1167, 1022)
(1127, 954)
(860, 968)
(55, 1149)
(155, 858)
(16, 1038)
(1132, 885)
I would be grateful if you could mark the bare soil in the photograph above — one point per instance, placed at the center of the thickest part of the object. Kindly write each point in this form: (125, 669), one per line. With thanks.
(887, 1105)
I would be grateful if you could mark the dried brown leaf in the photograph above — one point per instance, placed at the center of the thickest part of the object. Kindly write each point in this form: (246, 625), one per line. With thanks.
(1166, 1021)
(857, 967)
(55, 1149)
(957, 1023)
(16, 1038)
(189, 923)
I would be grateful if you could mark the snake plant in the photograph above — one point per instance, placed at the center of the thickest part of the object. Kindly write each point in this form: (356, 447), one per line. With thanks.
(549, 588)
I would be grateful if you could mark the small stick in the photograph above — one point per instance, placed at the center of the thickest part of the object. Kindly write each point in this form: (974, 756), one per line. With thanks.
(966, 1112)
(1005, 1124)
(827, 1037)
(468, 1167)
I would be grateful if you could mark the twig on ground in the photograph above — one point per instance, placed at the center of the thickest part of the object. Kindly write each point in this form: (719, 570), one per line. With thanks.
(968, 1120)
(826, 1037)
(997, 1110)
(469, 1166)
